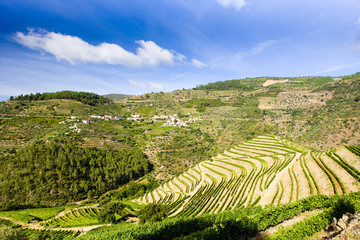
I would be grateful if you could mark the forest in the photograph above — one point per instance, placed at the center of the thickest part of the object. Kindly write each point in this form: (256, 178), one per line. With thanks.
(237, 84)
(55, 173)
(84, 97)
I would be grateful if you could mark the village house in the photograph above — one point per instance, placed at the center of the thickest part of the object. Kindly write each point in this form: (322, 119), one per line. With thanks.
(134, 118)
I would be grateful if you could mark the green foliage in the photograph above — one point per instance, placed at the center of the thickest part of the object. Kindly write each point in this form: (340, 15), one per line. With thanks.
(202, 103)
(32, 234)
(354, 149)
(152, 213)
(318, 222)
(243, 85)
(28, 215)
(109, 211)
(57, 173)
(191, 145)
(84, 216)
(84, 97)
(310, 81)
(145, 111)
(131, 190)
(10, 233)
(117, 96)
(228, 229)
(238, 223)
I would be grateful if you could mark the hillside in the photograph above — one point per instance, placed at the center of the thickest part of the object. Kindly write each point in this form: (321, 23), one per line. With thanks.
(116, 96)
(223, 148)
(264, 170)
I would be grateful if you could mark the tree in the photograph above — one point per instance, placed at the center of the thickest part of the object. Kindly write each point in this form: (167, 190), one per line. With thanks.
(152, 212)
(109, 211)
(7, 232)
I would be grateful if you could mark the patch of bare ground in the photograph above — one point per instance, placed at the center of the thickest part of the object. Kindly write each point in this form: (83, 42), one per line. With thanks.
(304, 190)
(350, 183)
(237, 152)
(273, 81)
(180, 184)
(293, 100)
(268, 232)
(283, 176)
(82, 230)
(205, 171)
(349, 157)
(320, 177)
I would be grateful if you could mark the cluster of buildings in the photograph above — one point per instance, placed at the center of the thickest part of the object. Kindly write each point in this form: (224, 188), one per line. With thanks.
(106, 117)
(75, 128)
(173, 120)
(134, 117)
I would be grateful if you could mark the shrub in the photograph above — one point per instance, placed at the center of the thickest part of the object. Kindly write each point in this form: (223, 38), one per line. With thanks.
(152, 212)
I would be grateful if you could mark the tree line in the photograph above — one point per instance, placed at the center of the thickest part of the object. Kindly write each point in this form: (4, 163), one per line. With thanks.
(244, 85)
(84, 97)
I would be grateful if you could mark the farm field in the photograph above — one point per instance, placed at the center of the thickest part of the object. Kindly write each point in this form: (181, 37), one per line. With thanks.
(213, 157)
(264, 170)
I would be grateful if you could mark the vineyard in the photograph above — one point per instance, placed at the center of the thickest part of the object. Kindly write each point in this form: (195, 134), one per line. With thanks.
(263, 170)
(83, 216)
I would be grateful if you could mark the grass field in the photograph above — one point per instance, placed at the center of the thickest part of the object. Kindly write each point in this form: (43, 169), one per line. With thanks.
(28, 215)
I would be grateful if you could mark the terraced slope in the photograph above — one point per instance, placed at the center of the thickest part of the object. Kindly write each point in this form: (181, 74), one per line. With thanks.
(264, 170)
(83, 216)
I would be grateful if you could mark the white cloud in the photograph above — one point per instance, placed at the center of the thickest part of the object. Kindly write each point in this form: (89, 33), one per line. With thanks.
(336, 68)
(74, 49)
(260, 47)
(156, 86)
(237, 4)
(136, 83)
(198, 63)
(149, 86)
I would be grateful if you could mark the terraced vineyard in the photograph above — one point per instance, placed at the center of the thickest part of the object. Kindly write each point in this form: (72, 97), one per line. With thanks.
(49, 234)
(263, 170)
(84, 216)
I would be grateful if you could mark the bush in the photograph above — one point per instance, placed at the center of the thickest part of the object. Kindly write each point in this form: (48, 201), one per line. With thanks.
(109, 210)
(153, 212)
(10, 233)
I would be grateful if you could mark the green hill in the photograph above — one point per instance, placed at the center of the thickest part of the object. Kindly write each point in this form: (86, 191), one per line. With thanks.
(116, 96)
(229, 149)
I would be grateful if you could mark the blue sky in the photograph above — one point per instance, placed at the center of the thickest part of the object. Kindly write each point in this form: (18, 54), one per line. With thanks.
(139, 46)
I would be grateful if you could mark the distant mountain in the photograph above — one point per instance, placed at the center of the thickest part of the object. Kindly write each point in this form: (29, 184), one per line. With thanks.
(116, 96)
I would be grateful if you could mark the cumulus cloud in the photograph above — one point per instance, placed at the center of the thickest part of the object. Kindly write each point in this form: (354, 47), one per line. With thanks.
(198, 63)
(149, 86)
(237, 4)
(73, 49)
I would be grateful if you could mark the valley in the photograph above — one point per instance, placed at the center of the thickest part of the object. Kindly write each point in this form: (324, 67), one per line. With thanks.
(232, 157)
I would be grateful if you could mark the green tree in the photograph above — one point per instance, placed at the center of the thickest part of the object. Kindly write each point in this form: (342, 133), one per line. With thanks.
(109, 211)
(152, 212)
(9, 233)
